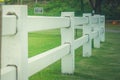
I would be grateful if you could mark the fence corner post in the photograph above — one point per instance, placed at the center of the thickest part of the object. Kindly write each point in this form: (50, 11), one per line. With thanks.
(87, 48)
(15, 46)
(0, 38)
(67, 36)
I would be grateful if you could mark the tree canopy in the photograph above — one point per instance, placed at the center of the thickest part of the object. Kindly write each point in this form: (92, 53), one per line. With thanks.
(111, 8)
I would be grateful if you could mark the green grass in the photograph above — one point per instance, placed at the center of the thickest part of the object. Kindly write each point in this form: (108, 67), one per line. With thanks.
(104, 64)
(43, 40)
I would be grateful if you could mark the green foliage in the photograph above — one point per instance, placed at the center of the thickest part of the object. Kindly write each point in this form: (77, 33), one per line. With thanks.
(110, 8)
(55, 7)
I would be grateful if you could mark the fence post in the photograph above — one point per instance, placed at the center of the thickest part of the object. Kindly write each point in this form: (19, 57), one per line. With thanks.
(0, 37)
(97, 28)
(67, 36)
(102, 25)
(15, 47)
(87, 47)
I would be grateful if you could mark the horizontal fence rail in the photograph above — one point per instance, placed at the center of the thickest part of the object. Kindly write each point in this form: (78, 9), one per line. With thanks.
(16, 24)
(45, 23)
(80, 41)
(80, 21)
(11, 21)
(95, 20)
(41, 61)
(8, 73)
(94, 34)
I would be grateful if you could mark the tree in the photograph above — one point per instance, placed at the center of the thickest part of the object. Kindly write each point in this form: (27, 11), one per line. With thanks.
(112, 3)
(96, 5)
(82, 6)
(111, 9)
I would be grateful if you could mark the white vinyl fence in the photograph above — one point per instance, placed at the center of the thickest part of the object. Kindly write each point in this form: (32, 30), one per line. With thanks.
(15, 27)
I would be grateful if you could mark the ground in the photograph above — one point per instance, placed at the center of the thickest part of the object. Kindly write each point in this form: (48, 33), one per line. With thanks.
(104, 64)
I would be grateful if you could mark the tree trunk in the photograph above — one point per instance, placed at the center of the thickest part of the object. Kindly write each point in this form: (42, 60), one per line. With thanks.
(96, 5)
(92, 2)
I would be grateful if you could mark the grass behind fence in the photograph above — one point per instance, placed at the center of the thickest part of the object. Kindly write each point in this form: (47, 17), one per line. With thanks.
(104, 64)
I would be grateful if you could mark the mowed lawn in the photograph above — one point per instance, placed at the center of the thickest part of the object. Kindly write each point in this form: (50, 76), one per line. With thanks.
(104, 64)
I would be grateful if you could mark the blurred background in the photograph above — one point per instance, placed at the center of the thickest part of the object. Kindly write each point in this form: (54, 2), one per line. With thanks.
(110, 8)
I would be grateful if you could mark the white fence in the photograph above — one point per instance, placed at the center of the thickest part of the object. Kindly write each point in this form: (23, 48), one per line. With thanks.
(15, 27)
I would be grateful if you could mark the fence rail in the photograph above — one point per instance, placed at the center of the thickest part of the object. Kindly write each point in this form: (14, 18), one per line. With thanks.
(43, 23)
(41, 61)
(16, 25)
